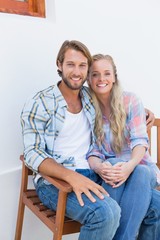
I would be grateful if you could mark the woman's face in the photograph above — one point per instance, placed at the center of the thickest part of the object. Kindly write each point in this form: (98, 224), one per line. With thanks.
(101, 77)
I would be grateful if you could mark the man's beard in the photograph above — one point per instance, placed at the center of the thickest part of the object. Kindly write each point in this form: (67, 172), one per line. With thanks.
(69, 85)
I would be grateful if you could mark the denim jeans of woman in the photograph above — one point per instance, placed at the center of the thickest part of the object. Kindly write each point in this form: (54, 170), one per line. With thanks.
(99, 220)
(150, 227)
(134, 197)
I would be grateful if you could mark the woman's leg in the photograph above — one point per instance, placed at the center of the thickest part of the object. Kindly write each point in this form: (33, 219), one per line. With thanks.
(134, 197)
(150, 227)
(99, 220)
(134, 203)
(115, 193)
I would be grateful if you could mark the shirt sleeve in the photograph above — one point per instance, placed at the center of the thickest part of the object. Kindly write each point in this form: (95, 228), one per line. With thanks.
(136, 122)
(34, 119)
(94, 150)
(99, 151)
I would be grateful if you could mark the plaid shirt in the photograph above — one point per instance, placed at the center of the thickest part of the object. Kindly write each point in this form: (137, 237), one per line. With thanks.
(42, 119)
(135, 134)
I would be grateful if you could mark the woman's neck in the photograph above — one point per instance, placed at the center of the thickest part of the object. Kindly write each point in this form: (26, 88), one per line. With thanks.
(104, 105)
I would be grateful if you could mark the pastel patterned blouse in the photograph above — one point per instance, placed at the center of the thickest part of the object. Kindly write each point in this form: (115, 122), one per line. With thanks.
(135, 134)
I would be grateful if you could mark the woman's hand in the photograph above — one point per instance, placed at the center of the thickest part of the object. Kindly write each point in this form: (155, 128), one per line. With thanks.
(109, 173)
(103, 169)
(125, 169)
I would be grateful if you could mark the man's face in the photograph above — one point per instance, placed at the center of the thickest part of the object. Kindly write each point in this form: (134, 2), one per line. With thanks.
(74, 69)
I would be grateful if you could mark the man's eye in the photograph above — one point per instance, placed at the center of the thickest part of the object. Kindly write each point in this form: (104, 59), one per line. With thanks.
(83, 66)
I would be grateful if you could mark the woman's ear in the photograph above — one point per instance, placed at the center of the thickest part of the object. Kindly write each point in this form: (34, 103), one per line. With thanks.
(114, 80)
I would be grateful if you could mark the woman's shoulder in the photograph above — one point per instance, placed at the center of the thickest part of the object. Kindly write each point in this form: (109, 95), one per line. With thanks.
(131, 100)
(130, 96)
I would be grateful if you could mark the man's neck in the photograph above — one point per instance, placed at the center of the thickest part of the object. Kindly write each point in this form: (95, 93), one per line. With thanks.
(68, 92)
(72, 98)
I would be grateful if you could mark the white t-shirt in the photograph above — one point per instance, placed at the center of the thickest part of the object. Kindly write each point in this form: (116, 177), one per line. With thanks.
(74, 139)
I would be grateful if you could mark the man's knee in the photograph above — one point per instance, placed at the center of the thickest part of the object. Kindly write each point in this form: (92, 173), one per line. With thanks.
(108, 212)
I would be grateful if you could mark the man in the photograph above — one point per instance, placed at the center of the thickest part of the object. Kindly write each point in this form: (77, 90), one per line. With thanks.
(57, 129)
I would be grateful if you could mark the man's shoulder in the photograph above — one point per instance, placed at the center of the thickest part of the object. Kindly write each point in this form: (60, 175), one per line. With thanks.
(86, 91)
(45, 99)
(47, 92)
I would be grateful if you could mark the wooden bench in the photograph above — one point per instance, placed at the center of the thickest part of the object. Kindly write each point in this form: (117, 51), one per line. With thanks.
(56, 221)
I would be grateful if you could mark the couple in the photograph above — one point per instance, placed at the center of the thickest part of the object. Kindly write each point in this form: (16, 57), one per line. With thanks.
(64, 137)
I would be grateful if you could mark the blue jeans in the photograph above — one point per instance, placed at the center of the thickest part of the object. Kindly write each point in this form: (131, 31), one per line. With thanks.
(150, 227)
(134, 197)
(99, 220)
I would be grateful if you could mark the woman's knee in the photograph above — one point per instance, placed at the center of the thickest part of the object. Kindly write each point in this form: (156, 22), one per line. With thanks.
(113, 161)
(144, 175)
(142, 171)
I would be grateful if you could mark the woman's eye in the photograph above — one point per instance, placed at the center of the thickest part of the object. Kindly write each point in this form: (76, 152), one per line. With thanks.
(107, 74)
(94, 75)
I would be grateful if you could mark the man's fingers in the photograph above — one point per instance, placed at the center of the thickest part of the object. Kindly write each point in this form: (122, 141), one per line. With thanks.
(79, 197)
(149, 125)
(90, 196)
(101, 192)
(88, 190)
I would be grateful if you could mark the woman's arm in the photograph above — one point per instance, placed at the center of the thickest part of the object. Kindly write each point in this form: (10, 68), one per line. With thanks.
(138, 138)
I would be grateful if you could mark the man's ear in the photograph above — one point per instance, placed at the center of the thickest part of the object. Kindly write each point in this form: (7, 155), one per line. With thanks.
(59, 65)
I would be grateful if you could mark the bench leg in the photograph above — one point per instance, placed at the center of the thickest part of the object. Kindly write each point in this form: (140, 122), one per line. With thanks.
(19, 219)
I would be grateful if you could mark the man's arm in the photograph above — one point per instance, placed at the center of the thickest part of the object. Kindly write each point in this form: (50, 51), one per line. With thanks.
(149, 118)
(80, 183)
(35, 118)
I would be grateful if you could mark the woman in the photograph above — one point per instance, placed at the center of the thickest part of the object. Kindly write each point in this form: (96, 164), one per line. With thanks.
(120, 129)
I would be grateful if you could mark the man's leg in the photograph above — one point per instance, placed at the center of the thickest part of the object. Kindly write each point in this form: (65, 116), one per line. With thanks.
(150, 227)
(100, 220)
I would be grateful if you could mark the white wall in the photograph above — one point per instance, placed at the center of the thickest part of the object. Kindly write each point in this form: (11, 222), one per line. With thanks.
(128, 30)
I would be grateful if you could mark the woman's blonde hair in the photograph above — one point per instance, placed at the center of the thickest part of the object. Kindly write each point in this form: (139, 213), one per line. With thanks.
(117, 116)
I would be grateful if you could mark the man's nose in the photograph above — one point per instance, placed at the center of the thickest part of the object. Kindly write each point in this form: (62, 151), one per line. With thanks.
(76, 70)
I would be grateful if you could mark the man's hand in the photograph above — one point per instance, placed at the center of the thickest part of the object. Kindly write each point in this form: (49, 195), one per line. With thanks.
(149, 118)
(82, 184)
